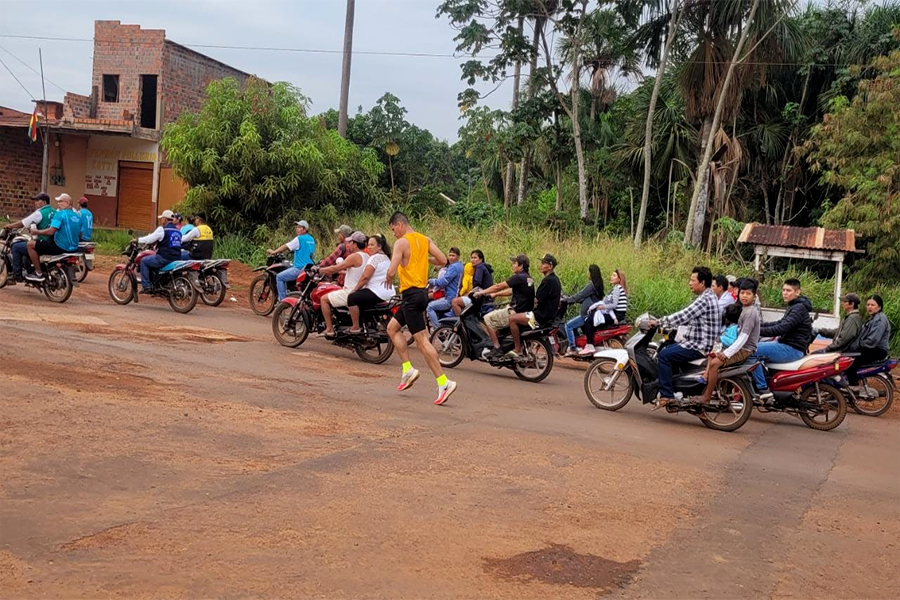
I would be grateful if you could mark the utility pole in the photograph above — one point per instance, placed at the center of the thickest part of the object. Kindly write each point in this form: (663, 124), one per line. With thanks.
(46, 135)
(345, 71)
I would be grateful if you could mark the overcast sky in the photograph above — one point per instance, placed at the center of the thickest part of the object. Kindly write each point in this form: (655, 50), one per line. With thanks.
(427, 86)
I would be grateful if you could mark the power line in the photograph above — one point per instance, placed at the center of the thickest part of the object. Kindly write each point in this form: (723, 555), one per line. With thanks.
(16, 78)
(32, 69)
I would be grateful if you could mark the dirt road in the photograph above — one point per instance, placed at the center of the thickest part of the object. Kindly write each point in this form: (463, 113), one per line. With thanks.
(150, 454)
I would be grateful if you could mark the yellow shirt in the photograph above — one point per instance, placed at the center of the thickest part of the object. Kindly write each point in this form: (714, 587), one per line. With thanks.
(205, 232)
(468, 275)
(415, 273)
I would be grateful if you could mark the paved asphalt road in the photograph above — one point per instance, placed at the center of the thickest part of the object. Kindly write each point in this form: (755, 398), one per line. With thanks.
(150, 454)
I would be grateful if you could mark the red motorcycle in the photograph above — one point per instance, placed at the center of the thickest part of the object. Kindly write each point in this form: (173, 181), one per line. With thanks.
(614, 337)
(301, 312)
(800, 389)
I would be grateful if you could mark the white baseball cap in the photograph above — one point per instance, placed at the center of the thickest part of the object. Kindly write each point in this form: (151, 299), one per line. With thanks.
(65, 197)
(167, 214)
(302, 224)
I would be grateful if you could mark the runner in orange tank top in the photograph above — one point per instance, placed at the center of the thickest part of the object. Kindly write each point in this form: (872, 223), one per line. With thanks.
(413, 252)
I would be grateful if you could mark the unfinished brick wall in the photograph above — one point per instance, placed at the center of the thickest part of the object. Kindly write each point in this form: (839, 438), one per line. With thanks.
(20, 165)
(76, 105)
(129, 52)
(184, 80)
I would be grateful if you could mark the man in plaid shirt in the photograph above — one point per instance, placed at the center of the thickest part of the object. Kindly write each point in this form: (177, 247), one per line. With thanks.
(341, 251)
(703, 321)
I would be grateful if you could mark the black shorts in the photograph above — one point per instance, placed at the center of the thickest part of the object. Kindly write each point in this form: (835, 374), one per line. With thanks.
(48, 248)
(413, 302)
(364, 299)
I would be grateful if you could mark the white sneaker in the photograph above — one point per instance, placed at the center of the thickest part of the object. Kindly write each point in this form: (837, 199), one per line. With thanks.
(407, 379)
(587, 350)
(444, 392)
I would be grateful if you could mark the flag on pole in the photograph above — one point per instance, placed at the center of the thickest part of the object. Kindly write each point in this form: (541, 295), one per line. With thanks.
(33, 125)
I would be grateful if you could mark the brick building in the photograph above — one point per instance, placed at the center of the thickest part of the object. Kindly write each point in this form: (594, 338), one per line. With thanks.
(105, 145)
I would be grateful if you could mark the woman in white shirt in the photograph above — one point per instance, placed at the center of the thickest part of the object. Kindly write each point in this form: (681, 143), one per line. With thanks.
(369, 290)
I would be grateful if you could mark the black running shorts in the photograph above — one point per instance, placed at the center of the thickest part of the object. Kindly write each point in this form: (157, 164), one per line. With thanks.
(413, 302)
(48, 248)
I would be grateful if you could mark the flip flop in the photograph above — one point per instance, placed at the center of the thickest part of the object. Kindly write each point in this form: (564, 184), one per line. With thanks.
(661, 404)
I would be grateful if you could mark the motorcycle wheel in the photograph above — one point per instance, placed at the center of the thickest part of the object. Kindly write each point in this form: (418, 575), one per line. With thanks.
(740, 406)
(81, 270)
(615, 343)
(262, 296)
(832, 402)
(539, 354)
(377, 353)
(57, 286)
(213, 293)
(595, 379)
(121, 287)
(448, 345)
(292, 336)
(182, 296)
(880, 396)
(4, 273)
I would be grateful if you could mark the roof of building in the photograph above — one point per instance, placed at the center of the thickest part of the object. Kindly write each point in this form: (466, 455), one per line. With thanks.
(807, 238)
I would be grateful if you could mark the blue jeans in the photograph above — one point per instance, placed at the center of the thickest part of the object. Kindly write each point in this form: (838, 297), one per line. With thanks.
(441, 305)
(185, 255)
(776, 353)
(151, 262)
(571, 326)
(19, 255)
(676, 353)
(281, 280)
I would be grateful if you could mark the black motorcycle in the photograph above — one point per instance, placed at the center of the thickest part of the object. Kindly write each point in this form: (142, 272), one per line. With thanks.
(618, 374)
(59, 270)
(465, 337)
(86, 260)
(172, 282)
(209, 281)
(263, 291)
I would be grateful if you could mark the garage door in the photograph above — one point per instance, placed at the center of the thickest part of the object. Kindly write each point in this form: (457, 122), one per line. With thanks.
(135, 196)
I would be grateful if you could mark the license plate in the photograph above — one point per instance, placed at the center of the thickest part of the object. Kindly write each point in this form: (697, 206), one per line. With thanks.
(88, 257)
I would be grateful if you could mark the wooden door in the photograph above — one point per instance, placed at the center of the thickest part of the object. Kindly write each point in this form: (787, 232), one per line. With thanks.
(135, 209)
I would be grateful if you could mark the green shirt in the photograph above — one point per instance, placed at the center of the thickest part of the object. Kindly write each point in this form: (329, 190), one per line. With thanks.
(47, 213)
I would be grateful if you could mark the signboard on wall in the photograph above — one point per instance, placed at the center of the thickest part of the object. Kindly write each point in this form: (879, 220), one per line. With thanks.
(103, 156)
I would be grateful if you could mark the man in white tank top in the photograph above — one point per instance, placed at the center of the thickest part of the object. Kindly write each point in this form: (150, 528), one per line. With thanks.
(354, 265)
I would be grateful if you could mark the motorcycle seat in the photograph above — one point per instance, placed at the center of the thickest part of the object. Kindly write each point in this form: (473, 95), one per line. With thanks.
(873, 365)
(46, 258)
(807, 362)
(175, 265)
(698, 362)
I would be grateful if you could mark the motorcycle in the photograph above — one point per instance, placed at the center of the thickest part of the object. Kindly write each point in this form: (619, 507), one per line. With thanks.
(301, 312)
(875, 393)
(263, 291)
(85, 261)
(614, 337)
(616, 375)
(59, 270)
(173, 281)
(465, 337)
(209, 281)
(800, 389)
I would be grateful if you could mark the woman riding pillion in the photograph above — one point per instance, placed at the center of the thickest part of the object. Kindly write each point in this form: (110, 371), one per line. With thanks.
(873, 341)
(478, 275)
(609, 312)
(592, 293)
(369, 290)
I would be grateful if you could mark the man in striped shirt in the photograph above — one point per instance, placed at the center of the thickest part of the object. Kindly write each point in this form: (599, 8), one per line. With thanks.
(703, 324)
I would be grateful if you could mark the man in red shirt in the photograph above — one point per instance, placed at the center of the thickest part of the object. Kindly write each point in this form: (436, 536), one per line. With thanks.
(343, 232)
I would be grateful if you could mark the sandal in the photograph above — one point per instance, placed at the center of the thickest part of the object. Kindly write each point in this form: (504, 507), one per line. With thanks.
(329, 336)
(662, 403)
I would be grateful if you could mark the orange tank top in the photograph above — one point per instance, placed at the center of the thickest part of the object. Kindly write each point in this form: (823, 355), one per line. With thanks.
(415, 273)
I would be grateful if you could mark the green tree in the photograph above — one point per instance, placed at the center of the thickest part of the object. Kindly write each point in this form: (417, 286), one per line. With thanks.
(251, 156)
(856, 147)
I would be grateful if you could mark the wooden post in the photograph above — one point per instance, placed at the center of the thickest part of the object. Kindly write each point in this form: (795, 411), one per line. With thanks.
(838, 281)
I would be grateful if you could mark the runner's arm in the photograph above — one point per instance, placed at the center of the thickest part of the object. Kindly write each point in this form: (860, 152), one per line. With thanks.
(437, 257)
(401, 251)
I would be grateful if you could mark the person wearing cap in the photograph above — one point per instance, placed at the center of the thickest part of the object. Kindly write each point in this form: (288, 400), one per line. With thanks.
(353, 266)
(546, 305)
(849, 327)
(87, 220)
(520, 286)
(65, 227)
(449, 281)
(340, 251)
(39, 219)
(609, 312)
(167, 238)
(304, 248)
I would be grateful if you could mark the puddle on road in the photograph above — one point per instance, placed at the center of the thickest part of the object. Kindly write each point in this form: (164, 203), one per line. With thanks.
(560, 565)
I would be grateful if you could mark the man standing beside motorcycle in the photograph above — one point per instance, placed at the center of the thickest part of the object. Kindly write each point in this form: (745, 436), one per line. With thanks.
(304, 248)
(520, 286)
(703, 323)
(412, 254)
(794, 332)
(65, 227)
(546, 305)
(40, 219)
(168, 247)
(354, 266)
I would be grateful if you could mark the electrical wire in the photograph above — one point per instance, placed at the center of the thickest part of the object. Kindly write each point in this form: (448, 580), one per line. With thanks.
(33, 70)
(16, 78)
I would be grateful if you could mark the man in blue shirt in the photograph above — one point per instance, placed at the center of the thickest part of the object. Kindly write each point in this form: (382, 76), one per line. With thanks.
(87, 220)
(304, 248)
(65, 227)
(449, 282)
(168, 247)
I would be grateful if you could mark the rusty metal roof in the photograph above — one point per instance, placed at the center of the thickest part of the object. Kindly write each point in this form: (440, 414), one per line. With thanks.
(809, 238)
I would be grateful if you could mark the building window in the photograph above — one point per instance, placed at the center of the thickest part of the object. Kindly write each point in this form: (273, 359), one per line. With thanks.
(110, 88)
(148, 101)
